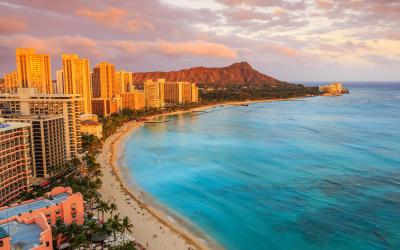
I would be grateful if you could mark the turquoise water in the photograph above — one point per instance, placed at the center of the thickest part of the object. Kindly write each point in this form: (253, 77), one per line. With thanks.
(315, 173)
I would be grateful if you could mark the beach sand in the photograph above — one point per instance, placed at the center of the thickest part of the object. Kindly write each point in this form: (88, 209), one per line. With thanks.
(152, 227)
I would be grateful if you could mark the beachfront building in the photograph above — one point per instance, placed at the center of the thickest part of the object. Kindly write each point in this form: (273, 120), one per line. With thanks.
(48, 139)
(11, 82)
(33, 70)
(76, 79)
(16, 161)
(27, 225)
(133, 100)
(27, 102)
(90, 125)
(180, 92)
(106, 95)
(332, 89)
(154, 93)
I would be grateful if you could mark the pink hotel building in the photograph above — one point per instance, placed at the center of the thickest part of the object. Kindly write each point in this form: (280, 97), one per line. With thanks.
(28, 225)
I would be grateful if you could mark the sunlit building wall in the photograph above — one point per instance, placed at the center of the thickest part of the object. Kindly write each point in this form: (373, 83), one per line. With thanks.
(106, 99)
(33, 70)
(11, 82)
(76, 79)
(16, 161)
(154, 93)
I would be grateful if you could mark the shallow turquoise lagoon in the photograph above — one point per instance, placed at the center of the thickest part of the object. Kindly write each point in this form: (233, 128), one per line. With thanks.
(315, 173)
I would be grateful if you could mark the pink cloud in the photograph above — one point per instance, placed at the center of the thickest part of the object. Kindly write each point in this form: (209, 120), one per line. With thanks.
(324, 4)
(116, 18)
(281, 50)
(10, 25)
(194, 48)
(109, 50)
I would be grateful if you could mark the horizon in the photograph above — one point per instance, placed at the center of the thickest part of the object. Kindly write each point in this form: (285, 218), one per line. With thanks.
(288, 40)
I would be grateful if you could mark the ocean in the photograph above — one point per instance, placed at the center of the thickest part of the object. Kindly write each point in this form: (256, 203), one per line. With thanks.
(312, 173)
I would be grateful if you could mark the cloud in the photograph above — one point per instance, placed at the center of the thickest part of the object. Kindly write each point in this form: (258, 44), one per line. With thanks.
(11, 25)
(194, 48)
(106, 50)
(281, 50)
(324, 4)
(116, 18)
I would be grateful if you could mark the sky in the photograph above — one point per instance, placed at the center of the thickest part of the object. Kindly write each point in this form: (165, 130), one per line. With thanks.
(309, 40)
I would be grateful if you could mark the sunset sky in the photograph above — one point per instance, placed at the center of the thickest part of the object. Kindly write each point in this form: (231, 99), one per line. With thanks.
(314, 40)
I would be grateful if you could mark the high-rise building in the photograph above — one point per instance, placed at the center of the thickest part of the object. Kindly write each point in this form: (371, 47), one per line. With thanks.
(76, 79)
(48, 139)
(195, 93)
(33, 70)
(154, 93)
(11, 82)
(133, 100)
(124, 83)
(16, 161)
(27, 102)
(106, 99)
(59, 82)
(180, 92)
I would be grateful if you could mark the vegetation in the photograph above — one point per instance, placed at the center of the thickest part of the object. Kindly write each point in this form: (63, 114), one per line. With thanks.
(255, 92)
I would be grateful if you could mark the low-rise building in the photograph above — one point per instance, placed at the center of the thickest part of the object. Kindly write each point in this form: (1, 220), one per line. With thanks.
(90, 125)
(335, 88)
(27, 224)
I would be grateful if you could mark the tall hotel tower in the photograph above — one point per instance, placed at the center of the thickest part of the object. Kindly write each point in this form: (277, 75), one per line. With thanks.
(15, 160)
(106, 99)
(76, 79)
(33, 70)
(154, 93)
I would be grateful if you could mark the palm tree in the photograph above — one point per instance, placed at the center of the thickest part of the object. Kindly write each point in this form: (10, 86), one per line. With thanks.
(57, 230)
(114, 223)
(126, 226)
(112, 208)
(103, 207)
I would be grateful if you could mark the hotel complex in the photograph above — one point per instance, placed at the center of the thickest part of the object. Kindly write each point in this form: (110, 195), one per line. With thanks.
(42, 121)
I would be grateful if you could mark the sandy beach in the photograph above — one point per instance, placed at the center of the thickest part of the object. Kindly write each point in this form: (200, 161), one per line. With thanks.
(152, 228)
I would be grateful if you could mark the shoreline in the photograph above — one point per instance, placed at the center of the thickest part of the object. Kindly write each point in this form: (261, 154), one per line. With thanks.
(154, 221)
(178, 236)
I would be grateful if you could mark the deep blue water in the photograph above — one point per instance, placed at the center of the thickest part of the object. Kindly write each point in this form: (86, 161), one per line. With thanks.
(315, 173)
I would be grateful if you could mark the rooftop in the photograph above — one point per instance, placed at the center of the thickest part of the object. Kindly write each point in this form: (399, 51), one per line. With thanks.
(23, 236)
(12, 125)
(24, 208)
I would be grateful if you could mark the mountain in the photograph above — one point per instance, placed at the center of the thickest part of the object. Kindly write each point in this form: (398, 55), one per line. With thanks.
(237, 73)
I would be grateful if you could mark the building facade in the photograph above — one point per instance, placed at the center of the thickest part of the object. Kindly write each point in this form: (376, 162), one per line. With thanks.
(90, 125)
(154, 93)
(33, 70)
(48, 139)
(124, 83)
(133, 100)
(59, 82)
(28, 223)
(16, 161)
(76, 79)
(11, 82)
(27, 102)
(106, 99)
